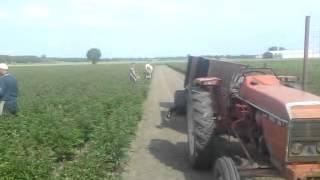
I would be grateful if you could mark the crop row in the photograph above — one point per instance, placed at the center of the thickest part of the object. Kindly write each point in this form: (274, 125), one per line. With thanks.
(75, 122)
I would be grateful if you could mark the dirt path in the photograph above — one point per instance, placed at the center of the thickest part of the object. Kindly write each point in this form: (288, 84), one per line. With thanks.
(160, 149)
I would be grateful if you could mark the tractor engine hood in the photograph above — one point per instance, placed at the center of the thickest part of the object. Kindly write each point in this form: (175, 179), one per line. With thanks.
(266, 92)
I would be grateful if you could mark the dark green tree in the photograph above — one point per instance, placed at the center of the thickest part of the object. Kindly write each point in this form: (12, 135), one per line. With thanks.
(267, 55)
(94, 54)
(273, 48)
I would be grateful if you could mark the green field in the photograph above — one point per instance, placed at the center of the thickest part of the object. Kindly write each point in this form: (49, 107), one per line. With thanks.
(281, 67)
(75, 122)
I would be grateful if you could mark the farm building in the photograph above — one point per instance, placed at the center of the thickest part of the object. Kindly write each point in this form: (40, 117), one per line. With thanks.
(290, 54)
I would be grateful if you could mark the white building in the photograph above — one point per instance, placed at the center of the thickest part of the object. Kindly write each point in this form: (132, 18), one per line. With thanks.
(289, 54)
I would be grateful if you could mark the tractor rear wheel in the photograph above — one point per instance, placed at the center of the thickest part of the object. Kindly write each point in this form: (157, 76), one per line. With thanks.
(180, 101)
(201, 125)
(225, 169)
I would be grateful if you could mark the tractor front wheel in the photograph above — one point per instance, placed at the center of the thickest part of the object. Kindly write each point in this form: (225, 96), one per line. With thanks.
(201, 125)
(225, 169)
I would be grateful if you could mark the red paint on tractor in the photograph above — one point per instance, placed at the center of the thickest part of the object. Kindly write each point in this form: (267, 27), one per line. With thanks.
(276, 141)
(267, 92)
(302, 171)
(272, 122)
(301, 112)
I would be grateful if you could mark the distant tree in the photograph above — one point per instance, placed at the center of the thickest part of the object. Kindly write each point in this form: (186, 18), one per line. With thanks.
(94, 54)
(267, 55)
(216, 57)
(273, 48)
(43, 56)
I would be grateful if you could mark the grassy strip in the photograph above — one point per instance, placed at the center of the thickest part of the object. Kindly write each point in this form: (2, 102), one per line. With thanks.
(180, 67)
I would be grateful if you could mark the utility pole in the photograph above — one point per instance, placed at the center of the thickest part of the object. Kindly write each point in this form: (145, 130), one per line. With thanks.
(306, 54)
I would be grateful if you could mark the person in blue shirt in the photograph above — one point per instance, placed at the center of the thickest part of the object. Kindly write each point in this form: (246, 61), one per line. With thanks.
(8, 91)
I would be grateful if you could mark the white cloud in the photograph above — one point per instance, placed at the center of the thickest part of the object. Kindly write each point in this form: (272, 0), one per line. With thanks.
(35, 11)
(115, 14)
(128, 13)
(4, 14)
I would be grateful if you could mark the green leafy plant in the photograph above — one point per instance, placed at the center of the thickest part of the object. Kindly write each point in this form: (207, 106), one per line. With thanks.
(76, 122)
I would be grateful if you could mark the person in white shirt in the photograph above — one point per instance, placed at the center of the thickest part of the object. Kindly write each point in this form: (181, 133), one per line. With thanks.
(148, 71)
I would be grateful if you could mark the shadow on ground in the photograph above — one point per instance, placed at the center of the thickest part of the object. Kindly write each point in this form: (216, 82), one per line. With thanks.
(176, 157)
(175, 122)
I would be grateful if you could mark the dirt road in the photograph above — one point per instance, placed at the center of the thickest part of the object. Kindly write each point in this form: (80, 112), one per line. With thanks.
(160, 149)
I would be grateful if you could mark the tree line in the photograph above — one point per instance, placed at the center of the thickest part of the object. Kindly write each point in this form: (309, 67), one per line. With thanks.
(94, 56)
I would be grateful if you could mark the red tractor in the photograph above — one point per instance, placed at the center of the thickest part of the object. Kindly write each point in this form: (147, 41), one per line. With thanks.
(246, 122)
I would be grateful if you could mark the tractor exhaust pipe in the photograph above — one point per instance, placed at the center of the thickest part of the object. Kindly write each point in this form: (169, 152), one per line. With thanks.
(306, 54)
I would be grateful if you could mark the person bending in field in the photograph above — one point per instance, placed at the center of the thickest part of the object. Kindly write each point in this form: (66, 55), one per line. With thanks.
(133, 76)
(8, 92)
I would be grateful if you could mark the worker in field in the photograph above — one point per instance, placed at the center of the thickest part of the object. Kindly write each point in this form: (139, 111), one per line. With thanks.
(133, 76)
(148, 71)
(8, 91)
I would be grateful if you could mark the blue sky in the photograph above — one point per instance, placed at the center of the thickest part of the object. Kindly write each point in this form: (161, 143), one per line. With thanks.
(149, 28)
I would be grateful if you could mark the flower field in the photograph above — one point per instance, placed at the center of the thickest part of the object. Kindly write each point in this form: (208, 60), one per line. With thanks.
(75, 122)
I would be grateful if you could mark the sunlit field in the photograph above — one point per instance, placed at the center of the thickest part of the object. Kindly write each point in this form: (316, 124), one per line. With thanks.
(75, 122)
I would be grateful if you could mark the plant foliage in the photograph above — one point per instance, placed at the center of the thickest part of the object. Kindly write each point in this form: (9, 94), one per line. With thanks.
(94, 55)
(76, 122)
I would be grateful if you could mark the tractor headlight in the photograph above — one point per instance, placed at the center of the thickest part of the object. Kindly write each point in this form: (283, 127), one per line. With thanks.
(297, 148)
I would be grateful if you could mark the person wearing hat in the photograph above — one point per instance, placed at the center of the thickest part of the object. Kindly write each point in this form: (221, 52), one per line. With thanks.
(133, 76)
(8, 91)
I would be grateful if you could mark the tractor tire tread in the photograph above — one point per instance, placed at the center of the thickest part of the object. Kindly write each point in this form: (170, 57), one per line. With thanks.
(226, 168)
(204, 125)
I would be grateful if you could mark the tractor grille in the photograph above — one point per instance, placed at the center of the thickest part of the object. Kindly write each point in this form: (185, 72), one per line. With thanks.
(306, 132)
(313, 178)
